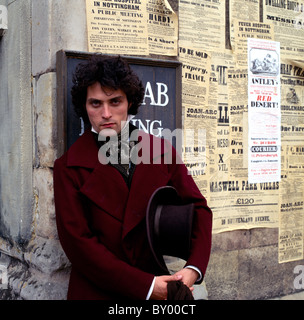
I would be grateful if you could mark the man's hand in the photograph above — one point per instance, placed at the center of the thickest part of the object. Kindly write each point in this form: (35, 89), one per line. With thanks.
(160, 291)
(189, 276)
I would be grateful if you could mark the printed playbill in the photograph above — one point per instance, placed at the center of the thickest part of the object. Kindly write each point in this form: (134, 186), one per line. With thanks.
(117, 27)
(264, 111)
(162, 28)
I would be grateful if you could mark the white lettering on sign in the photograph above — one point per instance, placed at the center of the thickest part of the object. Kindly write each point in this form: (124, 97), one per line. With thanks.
(153, 127)
(3, 277)
(159, 98)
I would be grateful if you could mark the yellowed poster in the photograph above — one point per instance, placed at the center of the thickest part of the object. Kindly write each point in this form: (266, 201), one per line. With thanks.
(198, 117)
(219, 148)
(237, 204)
(206, 27)
(162, 28)
(241, 30)
(248, 10)
(291, 226)
(117, 27)
(291, 222)
(195, 75)
(292, 102)
(238, 105)
(288, 20)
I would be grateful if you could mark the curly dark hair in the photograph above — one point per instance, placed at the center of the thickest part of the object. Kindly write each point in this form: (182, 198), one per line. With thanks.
(111, 72)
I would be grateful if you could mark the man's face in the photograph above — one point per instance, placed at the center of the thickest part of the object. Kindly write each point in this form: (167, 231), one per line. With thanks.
(106, 108)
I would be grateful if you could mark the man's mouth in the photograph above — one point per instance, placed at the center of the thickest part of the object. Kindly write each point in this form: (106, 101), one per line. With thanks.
(107, 125)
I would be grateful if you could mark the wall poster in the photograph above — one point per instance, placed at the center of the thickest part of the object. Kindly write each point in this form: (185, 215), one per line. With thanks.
(264, 111)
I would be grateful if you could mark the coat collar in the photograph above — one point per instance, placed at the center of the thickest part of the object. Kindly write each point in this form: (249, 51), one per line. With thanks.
(84, 152)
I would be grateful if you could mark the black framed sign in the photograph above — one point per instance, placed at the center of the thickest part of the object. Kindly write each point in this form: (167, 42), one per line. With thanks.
(161, 108)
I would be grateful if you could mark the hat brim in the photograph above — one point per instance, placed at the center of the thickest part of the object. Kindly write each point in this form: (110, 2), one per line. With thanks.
(162, 196)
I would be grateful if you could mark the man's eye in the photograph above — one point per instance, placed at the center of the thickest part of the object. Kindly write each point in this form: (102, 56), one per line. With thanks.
(95, 103)
(115, 102)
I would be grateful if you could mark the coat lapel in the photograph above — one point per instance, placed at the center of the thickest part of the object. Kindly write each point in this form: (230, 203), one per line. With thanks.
(148, 176)
(107, 189)
(103, 184)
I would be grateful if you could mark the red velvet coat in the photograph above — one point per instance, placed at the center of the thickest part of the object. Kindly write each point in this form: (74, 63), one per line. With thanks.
(101, 222)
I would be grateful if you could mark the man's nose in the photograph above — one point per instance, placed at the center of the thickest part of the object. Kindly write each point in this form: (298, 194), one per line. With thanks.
(106, 112)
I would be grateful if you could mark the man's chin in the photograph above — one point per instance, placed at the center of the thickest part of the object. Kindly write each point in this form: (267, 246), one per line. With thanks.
(107, 132)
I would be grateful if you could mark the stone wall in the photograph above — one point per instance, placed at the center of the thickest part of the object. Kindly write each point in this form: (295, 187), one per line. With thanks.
(37, 266)
(244, 266)
(244, 263)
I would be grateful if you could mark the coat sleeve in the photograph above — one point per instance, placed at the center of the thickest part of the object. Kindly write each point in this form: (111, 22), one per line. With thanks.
(85, 252)
(202, 224)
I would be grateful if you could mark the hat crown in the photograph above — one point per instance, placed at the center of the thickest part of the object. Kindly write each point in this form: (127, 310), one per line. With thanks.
(175, 225)
(169, 225)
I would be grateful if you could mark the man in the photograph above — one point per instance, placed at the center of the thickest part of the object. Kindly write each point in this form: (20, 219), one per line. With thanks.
(100, 208)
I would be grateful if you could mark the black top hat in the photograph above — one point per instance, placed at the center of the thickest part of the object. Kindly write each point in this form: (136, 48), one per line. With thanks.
(169, 225)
